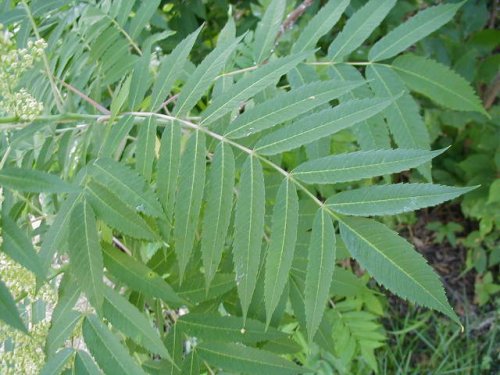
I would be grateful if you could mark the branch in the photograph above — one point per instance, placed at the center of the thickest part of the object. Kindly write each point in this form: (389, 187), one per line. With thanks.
(492, 92)
(89, 100)
(292, 18)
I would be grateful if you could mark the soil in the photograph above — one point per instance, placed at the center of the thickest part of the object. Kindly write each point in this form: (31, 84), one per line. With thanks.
(447, 260)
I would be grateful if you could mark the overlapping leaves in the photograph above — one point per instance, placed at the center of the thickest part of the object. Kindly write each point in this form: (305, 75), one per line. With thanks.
(198, 226)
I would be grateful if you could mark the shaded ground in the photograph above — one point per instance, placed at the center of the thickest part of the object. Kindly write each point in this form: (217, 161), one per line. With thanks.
(438, 343)
(447, 260)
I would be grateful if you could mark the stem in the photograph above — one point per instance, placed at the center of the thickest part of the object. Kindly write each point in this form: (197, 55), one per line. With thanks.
(126, 35)
(193, 126)
(239, 71)
(328, 63)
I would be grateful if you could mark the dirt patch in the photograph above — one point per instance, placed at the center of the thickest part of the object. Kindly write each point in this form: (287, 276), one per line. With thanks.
(447, 260)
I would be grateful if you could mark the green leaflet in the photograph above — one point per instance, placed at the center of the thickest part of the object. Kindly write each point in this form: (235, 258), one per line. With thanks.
(55, 236)
(115, 137)
(57, 362)
(392, 261)
(145, 149)
(68, 294)
(19, 247)
(218, 209)
(253, 83)
(107, 350)
(357, 165)
(346, 284)
(238, 358)
(403, 115)
(211, 327)
(134, 324)
(188, 199)
(85, 253)
(282, 246)
(201, 79)
(137, 276)
(358, 28)
(170, 68)
(168, 167)
(191, 364)
(115, 212)
(320, 267)
(248, 230)
(85, 365)
(320, 125)
(392, 199)
(142, 17)
(319, 25)
(282, 346)
(174, 346)
(413, 30)
(438, 82)
(127, 184)
(194, 289)
(33, 181)
(60, 330)
(120, 97)
(371, 134)
(140, 81)
(120, 10)
(8, 309)
(287, 106)
(267, 30)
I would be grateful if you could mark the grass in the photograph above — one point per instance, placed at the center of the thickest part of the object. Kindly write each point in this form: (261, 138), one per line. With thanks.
(423, 342)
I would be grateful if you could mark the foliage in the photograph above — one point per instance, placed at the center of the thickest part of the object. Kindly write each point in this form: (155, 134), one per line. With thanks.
(468, 45)
(190, 215)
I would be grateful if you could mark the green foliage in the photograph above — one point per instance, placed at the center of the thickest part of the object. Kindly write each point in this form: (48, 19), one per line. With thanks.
(195, 221)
